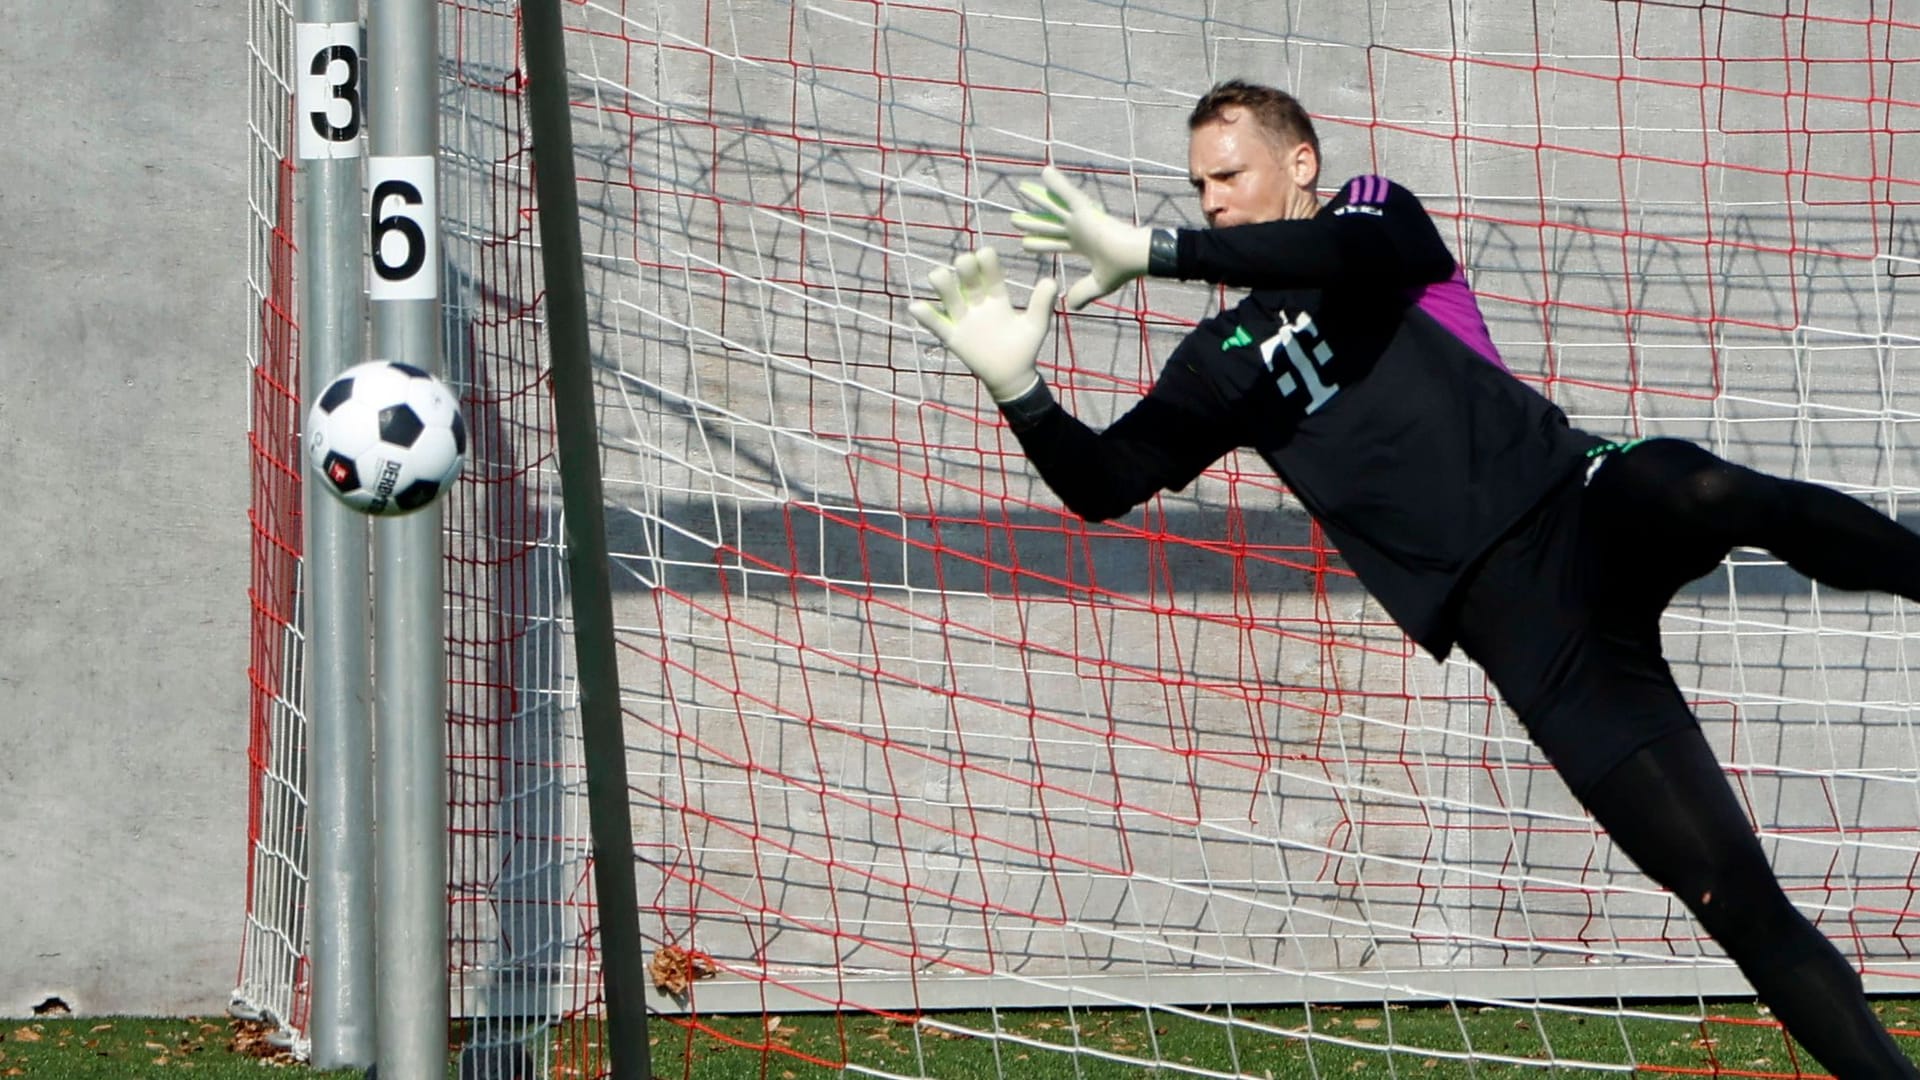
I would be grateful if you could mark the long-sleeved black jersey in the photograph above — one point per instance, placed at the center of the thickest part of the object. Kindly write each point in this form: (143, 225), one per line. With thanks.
(1361, 370)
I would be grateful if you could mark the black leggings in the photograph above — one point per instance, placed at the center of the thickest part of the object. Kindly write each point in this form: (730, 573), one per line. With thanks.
(1669, 808)
(1565, 620)
(1668, 511)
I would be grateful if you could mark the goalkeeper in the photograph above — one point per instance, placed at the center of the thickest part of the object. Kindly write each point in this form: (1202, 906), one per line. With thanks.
(1359, 367)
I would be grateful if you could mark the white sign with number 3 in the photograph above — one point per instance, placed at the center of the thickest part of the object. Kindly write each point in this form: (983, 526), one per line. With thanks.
(328, 90)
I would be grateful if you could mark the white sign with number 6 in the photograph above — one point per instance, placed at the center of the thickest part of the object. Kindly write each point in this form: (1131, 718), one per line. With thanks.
(403, 213)
(328, 89)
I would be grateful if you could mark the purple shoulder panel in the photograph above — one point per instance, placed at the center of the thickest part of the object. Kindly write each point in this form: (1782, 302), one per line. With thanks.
(1366, 190)
(1451, 303)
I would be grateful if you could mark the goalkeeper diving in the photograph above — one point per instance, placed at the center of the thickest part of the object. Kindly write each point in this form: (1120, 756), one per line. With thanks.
(1359, 367)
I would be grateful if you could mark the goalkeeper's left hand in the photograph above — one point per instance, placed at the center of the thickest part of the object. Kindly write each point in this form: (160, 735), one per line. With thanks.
(1066, 219)
(978, 323)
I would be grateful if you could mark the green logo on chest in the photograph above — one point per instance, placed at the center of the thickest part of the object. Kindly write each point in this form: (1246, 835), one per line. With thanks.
(1239, 337)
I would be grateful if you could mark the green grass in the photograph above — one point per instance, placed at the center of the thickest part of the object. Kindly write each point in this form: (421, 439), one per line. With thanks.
(135, 1048)
(1277, 1042)
(1282, 1043)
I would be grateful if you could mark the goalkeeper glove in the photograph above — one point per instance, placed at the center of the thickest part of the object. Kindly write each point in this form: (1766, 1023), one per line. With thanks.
(976, 322)
(1066, 219)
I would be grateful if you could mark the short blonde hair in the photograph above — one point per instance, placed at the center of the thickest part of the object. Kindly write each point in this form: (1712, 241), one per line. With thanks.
(1277, 112)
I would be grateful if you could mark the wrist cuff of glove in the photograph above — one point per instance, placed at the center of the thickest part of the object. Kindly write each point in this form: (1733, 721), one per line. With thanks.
(1029, 408)
(1163, 253)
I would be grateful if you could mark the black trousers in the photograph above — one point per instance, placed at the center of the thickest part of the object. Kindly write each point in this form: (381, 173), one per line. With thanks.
(1563, 615)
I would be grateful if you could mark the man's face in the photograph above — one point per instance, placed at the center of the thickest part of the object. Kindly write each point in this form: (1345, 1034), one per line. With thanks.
(1244, 177)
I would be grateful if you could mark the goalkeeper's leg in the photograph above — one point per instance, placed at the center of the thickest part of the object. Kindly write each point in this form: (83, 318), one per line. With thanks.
(1670, 511)
(1669, 808)
(1564, 617)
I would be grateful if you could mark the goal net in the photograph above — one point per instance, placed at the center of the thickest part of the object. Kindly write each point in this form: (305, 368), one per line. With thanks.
(905, 738)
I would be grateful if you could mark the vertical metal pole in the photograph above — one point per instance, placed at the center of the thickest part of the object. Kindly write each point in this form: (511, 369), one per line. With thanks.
(333, 331)
(622, 967)
(409, 645)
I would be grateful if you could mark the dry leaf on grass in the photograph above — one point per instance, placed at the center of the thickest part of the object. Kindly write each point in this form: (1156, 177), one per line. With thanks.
(253, 1038)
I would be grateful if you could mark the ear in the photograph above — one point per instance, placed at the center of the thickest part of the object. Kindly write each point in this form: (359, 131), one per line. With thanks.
(1304, 164)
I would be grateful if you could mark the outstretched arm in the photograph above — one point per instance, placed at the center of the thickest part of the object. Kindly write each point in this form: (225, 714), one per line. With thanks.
(1161, 444)
(1165, 441)
(1373, 232)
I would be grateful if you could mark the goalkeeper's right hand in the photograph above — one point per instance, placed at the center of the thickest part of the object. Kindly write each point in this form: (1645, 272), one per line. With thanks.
(1066, 219)
(978, 323)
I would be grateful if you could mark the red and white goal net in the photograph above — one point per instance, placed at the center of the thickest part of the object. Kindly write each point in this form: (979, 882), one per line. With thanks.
(904, 736)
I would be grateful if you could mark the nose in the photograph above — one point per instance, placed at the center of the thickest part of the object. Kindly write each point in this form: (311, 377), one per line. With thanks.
(1212, 202)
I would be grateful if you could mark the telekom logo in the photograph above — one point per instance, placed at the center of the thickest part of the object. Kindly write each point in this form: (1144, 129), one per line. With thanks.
(1307, 354)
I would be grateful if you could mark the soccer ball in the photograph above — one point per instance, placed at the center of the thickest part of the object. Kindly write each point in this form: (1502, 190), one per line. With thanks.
(386, 438)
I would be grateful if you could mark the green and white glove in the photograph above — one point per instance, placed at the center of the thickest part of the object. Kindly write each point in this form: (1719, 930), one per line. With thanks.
(976, 322)
(1066, 219)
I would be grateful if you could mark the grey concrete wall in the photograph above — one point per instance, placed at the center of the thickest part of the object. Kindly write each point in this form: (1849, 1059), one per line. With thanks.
(123, 538)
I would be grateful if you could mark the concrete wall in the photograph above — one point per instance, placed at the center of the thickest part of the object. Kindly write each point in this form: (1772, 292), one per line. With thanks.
(123, 537)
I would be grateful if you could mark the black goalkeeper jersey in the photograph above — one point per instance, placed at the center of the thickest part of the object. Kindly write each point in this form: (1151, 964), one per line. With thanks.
(1361, 370)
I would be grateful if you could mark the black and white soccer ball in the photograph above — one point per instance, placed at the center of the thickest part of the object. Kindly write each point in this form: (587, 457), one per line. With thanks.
(386, 438)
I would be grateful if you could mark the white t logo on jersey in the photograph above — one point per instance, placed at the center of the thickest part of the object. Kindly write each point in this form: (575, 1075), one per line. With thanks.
(1306, 354)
